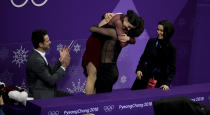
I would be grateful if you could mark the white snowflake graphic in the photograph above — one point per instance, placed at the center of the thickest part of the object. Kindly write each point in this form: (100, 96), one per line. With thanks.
(59, 47)
(20, 56)
(79, 88)
(77, 47)
(123, 79)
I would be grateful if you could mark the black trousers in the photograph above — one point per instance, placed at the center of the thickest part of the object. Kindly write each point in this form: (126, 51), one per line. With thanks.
(140, 84)
(107, 76)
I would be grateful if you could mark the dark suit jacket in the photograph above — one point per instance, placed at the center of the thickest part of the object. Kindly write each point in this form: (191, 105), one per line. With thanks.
(41, 78)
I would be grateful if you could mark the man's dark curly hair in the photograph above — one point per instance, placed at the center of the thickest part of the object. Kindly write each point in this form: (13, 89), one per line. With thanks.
(136, 21)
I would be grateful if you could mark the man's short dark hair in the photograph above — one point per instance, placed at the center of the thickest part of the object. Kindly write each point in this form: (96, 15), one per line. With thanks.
(38, 37)
(136, 21)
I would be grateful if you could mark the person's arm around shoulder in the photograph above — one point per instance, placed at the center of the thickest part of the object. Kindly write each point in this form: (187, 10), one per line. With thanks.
(104, 31)
(107, 18)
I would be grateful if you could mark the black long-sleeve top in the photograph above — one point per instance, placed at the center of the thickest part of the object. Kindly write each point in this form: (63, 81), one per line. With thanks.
(158, 57)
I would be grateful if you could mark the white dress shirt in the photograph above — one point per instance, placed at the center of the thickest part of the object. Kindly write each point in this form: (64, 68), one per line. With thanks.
(43, 55)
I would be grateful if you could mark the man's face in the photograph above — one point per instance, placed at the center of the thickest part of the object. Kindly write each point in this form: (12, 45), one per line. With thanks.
(46, 44)
(160, 31)
(127, 25)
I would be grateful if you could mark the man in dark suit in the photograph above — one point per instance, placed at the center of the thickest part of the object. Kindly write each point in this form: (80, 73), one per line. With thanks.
(41, 77)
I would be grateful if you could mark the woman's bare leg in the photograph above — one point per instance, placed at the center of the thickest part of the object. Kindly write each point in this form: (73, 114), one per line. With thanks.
(91, 79)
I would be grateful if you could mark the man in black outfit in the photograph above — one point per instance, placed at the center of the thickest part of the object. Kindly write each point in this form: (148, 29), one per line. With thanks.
(158, 60)
(107, 73)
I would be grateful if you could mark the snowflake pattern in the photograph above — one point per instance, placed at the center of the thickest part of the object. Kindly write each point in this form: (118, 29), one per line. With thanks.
(20, 56)
(59, 47)
(77, 47)
(123, 79)
(79, 88)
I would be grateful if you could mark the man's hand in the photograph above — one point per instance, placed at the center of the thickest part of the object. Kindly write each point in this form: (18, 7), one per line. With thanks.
(62, 53)
(139, 75)
(65, 57)
(165, 87)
